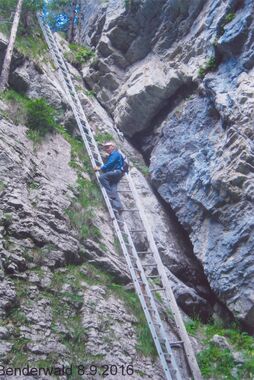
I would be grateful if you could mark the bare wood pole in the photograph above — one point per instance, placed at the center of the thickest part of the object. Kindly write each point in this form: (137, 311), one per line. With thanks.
(9, 51)
(72, 19)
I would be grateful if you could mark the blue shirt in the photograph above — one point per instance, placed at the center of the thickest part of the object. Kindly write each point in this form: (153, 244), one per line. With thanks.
(114, 162)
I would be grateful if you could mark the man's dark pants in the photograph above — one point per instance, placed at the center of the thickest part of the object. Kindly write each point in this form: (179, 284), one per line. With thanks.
(109, 180)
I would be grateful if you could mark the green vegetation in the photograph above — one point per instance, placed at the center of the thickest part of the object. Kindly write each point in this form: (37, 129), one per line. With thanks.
(79, 158)
(94, 276)
(141, 167)
(78, 55)
(127, 4)
(101, 138)
(29, 41)
(210, 65)
(17, 106)
(32, 46)
(145, 344)
(90, 93)
(40, 116)
(229, 17)
(81, 212)
(2, 186)
(117, 246)
(217, 362)
(6, 219)
(37, 114)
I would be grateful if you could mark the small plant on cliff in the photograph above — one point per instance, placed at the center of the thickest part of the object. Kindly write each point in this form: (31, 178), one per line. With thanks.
(40, 116)
(16, 106)
(90, 93)
(229, 17)
(210, 65)
(145, 344)
(81, 211)
(218, 362)
(2, 186)
(78, 54)
(103, 137)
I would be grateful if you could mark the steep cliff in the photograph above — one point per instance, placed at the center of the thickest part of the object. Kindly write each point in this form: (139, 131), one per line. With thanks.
(177, 77)
(66, 296)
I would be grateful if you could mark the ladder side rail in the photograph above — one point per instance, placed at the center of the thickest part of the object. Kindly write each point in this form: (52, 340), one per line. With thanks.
(147, 314)
(191, 359)
(75, 95)
(154, 306)
(78, 106)
(73, 106)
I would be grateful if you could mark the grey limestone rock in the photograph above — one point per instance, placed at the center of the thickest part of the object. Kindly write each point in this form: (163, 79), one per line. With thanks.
(200, 149)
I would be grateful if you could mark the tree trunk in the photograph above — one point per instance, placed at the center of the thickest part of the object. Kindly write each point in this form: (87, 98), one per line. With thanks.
(8, 55)
(72, 19)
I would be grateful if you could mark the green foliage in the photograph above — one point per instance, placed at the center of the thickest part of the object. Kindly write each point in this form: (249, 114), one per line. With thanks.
(90, 93)
(81, 212)
(17, 106)
(78, 54)
(34, 136)
(229, 17)
(2, 186)
(6, 219)
(31, 46)
(217, 362)
(127, 3)
(37, 114)
(117, 246)
(192, 326)
(101, 138)
(29, 41)
(145, 344)
(210, 65)
(40, 116)
(79, 158)
(141, 167)
(33, 185)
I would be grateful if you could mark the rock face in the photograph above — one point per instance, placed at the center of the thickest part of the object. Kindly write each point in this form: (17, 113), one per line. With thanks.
(177, 77)
(49, 273)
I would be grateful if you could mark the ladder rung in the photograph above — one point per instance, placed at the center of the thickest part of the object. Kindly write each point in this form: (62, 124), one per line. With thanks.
(157, 289)
(143, 252)
(124, 191)
(118, 220)
(180, 342)
(155, 276)
(130, 209)
(86, 133)
(137, 231)
(149, 265)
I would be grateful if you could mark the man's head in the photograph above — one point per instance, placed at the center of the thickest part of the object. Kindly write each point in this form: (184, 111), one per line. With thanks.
(109, 146)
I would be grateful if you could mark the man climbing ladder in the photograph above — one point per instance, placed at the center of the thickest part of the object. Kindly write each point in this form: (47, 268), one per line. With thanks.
(112, 173)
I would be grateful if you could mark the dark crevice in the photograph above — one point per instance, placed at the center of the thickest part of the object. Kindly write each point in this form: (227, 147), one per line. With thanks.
(145, 140)
(194, 277)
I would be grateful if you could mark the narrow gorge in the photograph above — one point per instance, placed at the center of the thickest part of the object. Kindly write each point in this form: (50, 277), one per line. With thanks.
(172, 83)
